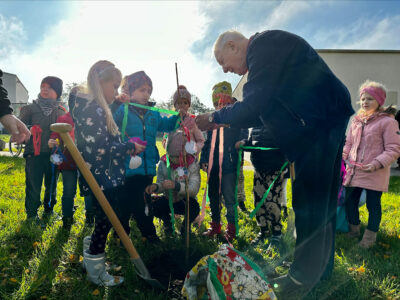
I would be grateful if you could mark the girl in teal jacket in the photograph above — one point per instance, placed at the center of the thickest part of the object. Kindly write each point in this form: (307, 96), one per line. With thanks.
(144, 124)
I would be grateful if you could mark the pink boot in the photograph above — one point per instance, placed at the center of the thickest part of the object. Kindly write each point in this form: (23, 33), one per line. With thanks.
(214, 230)
(230, 232)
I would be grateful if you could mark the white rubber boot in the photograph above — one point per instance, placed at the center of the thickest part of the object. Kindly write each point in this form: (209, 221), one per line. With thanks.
(86, 245)
(96, 270)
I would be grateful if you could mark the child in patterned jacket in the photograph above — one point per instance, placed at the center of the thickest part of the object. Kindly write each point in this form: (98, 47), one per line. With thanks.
(99, 142)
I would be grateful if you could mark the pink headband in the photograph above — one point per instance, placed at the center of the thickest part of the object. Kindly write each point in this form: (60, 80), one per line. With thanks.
(378, 94)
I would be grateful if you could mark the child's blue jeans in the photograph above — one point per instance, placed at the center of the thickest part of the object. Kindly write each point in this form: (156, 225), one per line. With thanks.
(228, 183)
(70, 180)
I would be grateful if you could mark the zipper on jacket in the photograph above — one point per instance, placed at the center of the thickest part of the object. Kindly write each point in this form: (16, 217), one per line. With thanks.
(292, 113)
(144, 152)
(363, 150)
(144, 138)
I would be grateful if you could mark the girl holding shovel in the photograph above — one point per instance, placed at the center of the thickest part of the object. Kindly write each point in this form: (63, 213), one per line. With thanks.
(99, 142)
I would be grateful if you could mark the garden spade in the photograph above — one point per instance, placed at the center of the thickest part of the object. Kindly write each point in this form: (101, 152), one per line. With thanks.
(63, 129)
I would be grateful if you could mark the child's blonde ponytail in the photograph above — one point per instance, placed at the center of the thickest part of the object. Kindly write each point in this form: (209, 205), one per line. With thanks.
(103, 70)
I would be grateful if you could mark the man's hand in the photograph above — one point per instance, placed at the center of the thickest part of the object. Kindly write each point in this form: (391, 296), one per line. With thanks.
(19, 132)
(204, 167)
(151, 188)
(168, 184)
(238, 144)
(203, 123)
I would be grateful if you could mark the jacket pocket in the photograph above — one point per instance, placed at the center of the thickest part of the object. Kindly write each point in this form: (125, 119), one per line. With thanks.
(292, 113)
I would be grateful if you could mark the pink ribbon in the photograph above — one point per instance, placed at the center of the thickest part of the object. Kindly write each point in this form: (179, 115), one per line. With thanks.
(200, 218)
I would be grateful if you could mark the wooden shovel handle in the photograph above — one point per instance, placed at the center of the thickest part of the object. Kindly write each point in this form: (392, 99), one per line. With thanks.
(292, 172)
(63, 129)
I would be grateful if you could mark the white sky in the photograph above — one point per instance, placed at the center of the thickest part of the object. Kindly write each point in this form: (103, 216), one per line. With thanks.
(153, 35)
(133, 35)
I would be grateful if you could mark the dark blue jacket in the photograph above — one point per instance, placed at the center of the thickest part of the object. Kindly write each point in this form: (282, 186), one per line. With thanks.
(291, 90)
(102, 152)
(5, 104)
(230, 156)
(264, 160)
(145, 126)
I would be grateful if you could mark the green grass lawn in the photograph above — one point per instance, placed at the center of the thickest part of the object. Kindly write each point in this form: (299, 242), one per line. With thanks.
(5, 137)
(38, 263)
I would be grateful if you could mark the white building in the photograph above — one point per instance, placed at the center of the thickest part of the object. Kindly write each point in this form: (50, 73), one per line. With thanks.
(353, 67)
(17, 92)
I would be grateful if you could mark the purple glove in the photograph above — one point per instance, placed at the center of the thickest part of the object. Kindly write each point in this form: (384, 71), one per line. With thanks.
(138, 141)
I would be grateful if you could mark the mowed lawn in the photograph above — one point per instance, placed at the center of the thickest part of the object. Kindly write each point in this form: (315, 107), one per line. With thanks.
(44, 263)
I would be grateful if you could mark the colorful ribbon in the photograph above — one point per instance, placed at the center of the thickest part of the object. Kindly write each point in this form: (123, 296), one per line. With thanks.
(199, 220)
(213, 270)
(57, 150)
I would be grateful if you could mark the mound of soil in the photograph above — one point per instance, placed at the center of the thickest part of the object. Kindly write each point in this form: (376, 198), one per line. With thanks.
(170, 269)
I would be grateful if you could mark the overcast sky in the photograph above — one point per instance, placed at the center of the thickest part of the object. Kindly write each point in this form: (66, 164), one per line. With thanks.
(64, 38)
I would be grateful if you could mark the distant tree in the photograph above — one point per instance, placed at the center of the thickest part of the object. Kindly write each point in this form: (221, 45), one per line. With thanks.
(67, 89)
(166, 104)
(198, 107)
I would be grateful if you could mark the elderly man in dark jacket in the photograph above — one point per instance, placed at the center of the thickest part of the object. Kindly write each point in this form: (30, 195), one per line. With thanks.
(291, 91)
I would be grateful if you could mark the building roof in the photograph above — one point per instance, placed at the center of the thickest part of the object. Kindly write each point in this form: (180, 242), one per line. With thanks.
(18, 80)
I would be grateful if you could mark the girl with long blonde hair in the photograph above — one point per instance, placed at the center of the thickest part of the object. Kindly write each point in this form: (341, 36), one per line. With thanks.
(98, 140)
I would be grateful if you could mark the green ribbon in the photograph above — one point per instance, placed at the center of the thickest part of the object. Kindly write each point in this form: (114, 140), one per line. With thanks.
(160, 110)
(124, 121)
(252, 214)
(239, 163)
(171, 203)
(212, 268)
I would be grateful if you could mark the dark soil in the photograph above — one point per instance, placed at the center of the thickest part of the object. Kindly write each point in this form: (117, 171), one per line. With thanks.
(170, 269)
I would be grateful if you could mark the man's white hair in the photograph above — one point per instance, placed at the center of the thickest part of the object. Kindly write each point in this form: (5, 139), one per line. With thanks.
(230, 35)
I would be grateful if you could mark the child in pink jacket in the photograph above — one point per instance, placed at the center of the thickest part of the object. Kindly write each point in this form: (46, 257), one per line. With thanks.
(372, 145)
(182, 101)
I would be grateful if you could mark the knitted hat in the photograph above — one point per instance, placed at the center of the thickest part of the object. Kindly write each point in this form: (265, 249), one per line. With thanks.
(135, 81)
(183, 94)
(55, 83)
(223, 87)
(175, 143)
(377, 93)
